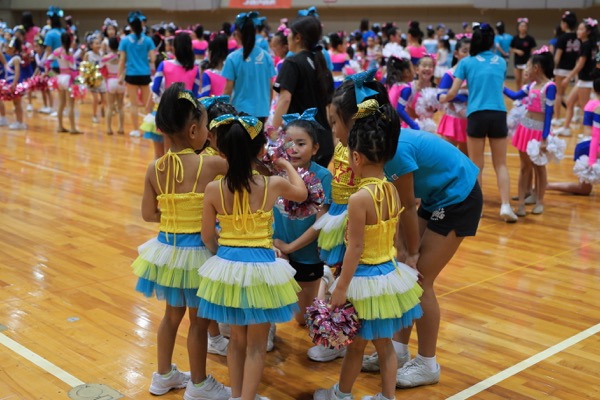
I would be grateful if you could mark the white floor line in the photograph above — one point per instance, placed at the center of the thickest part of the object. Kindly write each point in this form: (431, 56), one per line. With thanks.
(515, 369)
(40, 361)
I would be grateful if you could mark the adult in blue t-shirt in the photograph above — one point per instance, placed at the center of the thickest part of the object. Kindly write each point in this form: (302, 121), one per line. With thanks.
(249, 71)
(502, 41)
(486, 112)
(52, 38)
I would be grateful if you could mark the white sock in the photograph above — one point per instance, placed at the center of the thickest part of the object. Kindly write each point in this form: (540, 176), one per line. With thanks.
(339, 394)
(216, 337)
(400, 348)
(430, 362)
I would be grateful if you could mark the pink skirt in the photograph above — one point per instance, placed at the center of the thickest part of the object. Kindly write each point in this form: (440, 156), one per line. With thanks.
(453, 128)
(527, 130)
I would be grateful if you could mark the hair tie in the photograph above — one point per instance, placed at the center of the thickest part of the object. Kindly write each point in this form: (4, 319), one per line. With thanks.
(311, 11)
(359, 80)
(133, 16)
(241, 18)
(284, 30)
(208, 101)
(307, 115)
(316, 48)
(542, 50)
(367, 108)
(526, 20)
(591, 22)
(252, 125)
(189, 96)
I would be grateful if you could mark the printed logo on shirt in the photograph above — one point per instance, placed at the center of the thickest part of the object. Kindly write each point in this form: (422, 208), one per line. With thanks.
(494, 60)
(573, 46)
(310, 61)
(438, 215)
(260, 58)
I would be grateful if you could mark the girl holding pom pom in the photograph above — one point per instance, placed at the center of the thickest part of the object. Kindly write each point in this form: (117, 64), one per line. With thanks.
(385, 293)
(244, 284)
(167, 265)
(13, 78)
(535, 125)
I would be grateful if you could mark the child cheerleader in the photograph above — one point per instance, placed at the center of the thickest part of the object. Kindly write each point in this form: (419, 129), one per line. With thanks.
(94, 56)
(244, 284)
(384, 292)
(13, 78)
(115, 89)
(167, 266)
(339, 58)
(444, 60)
(541, 93)
(453, 125)
(215, 107)
(294, 237)
(40, 62)
(213, 83)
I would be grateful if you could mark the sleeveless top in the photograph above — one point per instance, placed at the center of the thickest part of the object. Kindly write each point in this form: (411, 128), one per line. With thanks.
(244, 228)
(110, 62)
(537, 98)
(379, 238)
(66, 62)
(344, 182)
(199, 47)
(174, 72)
(217, 82)
(588, 112)
(180, 212)
(94, 58)
(339, 60)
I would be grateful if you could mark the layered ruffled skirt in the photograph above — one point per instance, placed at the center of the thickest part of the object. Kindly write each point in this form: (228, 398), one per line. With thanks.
(527, 130)
(237, 291)
(332, 228)
(386, 298)
(167, 266)
(149, 127)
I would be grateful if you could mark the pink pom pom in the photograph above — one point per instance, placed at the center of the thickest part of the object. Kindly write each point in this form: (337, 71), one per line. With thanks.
(8, 93)
(77, 91)
(331, 328)
(313, 203)
(276, 147)
(53, 83)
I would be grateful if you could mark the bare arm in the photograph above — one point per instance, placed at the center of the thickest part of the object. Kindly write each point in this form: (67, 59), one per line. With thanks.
(150, 211)
(451, 93)
(309, 236)
(409, 218)
(122, 58)
(293, 189)
(283, 105)
(578, 67)
(209, 217)
(557, 57)
(228, 88)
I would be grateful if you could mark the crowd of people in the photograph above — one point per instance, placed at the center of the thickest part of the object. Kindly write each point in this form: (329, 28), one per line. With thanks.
(359, 112)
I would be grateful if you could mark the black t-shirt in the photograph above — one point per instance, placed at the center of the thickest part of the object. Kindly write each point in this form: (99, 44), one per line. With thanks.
(589, 51)
(298, 75)
(526, 44)
(570, 45)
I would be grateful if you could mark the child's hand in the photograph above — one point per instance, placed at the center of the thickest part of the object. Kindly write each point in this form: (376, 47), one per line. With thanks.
(281, 163)
(544, 145)
(278, 252)
(282, 246)
(338, 298)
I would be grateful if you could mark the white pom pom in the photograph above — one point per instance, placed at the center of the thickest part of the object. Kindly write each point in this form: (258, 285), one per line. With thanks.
(514, 116)
(537, 156)
(585, 172)
(427, 124)
(427, 103)
(555, 148)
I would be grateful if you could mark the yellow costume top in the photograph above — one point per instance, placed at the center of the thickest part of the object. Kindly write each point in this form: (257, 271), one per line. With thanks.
(344, 183)
(180, 212)
(244, 228)
(379, 238)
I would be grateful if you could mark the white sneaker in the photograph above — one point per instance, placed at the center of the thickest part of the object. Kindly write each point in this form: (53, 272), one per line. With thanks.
(95, 120)
(272, 331)
(507, 213)
(378, 396)
(218, 345)
(17, 126)
(324, 354)
(3, 121)
(211, 389)
(161, 385)
(531, 199)
(415, 373)
(558, 122)
(562, 131)
(29, 107)
(45, 110)
(329, 394)
(54, 114)
(371, 363)
(257, 397)
(225, 330)
(135, 133)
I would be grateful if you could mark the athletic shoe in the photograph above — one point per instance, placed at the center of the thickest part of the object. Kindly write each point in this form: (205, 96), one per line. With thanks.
(558, 122)
(371, 363)
(54, 114)
(521, 212)
(17, 126)
(218, 345)
(225, 330)
(211, 389)
(507, 213)
(29, 107)
(378, 396)
(329, 394)
(135, 133)
(45, 110)
(272, 331)
(324, 354)
(3, 121)
(255, 398)
(531, 199)
(415, 373)
(538, 209)
(95, 120)
(177, 380)
(562, 131)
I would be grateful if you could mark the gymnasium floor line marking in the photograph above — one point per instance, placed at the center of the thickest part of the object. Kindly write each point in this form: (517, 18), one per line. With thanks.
(519, 268)
(515, 369)
(40, 361)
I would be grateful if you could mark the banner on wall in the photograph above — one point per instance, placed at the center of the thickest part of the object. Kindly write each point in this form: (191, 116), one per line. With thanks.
(260, 3)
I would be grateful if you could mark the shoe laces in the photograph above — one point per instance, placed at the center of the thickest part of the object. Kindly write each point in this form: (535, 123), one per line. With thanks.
(410, 366)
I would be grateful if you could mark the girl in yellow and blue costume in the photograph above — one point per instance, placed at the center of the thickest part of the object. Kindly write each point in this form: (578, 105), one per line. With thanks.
(384, 292)
(244, 284)
(167, 265)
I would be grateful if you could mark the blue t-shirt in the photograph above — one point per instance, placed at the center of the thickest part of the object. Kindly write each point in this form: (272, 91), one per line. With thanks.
(262, 42)
(251, 80)
(504, 42)
(137, 50)
(52, 40)
(442, 174)
(485, 75)
(289, 230)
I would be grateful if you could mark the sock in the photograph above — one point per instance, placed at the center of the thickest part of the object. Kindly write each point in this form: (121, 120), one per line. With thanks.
(385, 398)
(339, 394)
(168, 374)
(400, 348)
(215, 338)
(201, 383)
(430, 362)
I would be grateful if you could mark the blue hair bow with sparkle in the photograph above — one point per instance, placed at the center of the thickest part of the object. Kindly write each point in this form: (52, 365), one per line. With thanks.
(55, 12)
(361, 91)
(241, 18)
(135, 15)
(259, 21)
(252, 125)
(208, 101)
(311, 11)
(307, 115)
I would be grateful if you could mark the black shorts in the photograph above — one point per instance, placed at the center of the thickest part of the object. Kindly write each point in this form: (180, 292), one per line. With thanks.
(462, 218)
(138, 80)
(307, 272)
(487, 123)
(56, 70)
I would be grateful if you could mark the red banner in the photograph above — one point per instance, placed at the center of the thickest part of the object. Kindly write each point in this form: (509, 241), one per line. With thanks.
(260, 4)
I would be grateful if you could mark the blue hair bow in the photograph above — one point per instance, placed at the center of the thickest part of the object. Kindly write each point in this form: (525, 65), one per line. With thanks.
(359, 80)
(241, 19)
(259, 21)
(307, 115)
(311, 11)
(208, 101)
(252, 125)
(134, 15)
(55, 12)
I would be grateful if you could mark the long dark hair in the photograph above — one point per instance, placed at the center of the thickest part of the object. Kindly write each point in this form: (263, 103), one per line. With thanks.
(570, 19)
(183, 50)
(461, 42)
(136, 27)
(66, 40)
(199, 32)
(217, 50)
(344, 98)
(174, 113)
(248, 33)
(376, 136)
(546, 62)
(482, 40)
(415, 31)
(395, 68)
(55, 21)
(27, 20)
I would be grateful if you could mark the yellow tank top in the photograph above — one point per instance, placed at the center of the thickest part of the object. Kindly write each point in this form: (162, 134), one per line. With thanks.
(344, 183)
(179, 212)
(244, 228)
(379, 238)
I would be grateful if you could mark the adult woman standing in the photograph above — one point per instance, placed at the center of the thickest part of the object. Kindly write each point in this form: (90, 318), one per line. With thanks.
(521, 45)
(486, 112)
(249, 71)
(565, 58)
(136, 64)
(305, 81)
(502, 41)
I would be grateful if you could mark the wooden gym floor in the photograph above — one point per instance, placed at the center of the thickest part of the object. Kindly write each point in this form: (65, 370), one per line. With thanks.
(520, 302)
